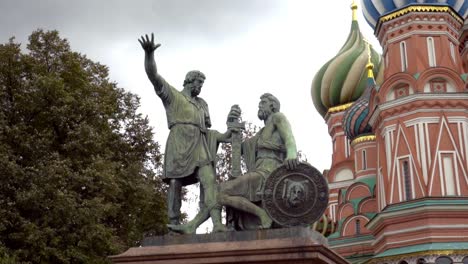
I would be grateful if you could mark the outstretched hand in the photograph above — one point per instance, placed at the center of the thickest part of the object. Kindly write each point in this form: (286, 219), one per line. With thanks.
(147, 44)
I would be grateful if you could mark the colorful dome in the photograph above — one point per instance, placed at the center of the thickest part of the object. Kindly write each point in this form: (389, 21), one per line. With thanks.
(343, 79)
(374, 9)
(356, 118)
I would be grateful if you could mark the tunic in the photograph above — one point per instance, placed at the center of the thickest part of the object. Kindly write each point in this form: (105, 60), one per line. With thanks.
(186, 146)
(265, 152)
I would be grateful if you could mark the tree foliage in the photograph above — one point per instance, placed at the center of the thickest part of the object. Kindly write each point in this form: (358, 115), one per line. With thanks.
(78, 164)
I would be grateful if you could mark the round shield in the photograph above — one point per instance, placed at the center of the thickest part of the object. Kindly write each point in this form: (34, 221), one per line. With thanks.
(295, 197)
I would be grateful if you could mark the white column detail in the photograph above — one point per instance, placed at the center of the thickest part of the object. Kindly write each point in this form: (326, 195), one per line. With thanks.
(422, 146)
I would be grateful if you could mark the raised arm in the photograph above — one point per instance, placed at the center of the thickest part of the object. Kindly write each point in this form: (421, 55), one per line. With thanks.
(150, 64)
(284, 128)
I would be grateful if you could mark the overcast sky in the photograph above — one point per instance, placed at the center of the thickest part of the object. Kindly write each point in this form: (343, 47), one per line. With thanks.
(244, 47)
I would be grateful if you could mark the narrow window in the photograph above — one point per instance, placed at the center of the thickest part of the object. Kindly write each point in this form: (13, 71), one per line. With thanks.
(364, 160)
(447, 162)
(404, 59)
(386, 59)
(333, 212)
(431, 52)
(452, 52)
(346, 147)
(358, 227)
(407, 180)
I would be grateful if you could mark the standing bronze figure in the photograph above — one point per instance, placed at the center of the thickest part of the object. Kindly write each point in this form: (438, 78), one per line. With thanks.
(187, 158)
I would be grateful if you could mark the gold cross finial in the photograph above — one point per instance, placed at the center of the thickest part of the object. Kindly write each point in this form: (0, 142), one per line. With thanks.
(354, 10)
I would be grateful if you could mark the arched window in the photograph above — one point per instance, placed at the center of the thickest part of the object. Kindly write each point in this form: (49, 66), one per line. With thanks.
(344, 175)
(403, 262)
(421, 261)
(431, 52)
(443, 260)
(403, 55)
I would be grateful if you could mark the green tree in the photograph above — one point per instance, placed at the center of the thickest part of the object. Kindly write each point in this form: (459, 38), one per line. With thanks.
(78, 165)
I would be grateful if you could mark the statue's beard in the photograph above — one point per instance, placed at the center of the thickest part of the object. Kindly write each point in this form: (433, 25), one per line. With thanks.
(262, 115)
(196, 91)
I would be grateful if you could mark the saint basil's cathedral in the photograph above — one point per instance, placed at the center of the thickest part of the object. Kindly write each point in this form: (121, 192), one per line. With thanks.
(398, 122)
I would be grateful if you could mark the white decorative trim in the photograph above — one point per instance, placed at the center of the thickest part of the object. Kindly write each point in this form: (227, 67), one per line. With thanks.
(340, 184)
(457, 119)
(378, 218)
(387, 129)
(350, 220)
(423, 97)
(421, 33)
(419, 120)
(431, 52)
(417, 97)
(403, 57)
(418, 228)
(452, 52)
(422, 145)
(416, 239)
(415, 23)
(359, 243)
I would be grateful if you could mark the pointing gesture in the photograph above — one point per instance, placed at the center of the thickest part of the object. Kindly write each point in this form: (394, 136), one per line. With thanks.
(147, 44)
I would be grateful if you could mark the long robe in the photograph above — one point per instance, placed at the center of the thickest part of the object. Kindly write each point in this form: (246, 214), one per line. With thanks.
(186, 146)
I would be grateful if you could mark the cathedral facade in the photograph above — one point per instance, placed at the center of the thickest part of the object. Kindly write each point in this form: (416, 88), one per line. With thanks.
(399, 127)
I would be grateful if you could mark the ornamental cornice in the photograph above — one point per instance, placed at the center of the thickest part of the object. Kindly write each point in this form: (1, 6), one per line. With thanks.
(360, 139)
(417, 8)
(419, 101)
(418, 254)
(339, 108)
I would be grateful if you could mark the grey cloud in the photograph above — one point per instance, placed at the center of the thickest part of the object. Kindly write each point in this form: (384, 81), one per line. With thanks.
(91, 19)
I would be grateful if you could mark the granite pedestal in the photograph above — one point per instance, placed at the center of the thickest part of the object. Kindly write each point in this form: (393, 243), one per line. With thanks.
(288, 245)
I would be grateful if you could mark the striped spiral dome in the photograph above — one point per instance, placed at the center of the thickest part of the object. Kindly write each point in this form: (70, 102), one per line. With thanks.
(356, 118)
(343, 79)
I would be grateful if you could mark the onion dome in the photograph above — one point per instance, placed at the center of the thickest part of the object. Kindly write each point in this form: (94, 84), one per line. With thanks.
(342, 80)
(356, 118)
(374, 9)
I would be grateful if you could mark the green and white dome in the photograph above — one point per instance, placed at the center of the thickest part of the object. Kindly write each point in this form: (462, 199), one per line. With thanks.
(343, 79)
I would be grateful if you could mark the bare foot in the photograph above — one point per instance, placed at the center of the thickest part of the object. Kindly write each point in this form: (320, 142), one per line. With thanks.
(265, 220)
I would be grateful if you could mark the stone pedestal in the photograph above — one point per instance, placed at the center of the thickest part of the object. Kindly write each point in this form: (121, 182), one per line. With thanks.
(288, 245)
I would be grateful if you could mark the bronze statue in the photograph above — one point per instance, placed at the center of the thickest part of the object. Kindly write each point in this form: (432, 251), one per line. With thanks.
(189, 148)
(270, 148)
